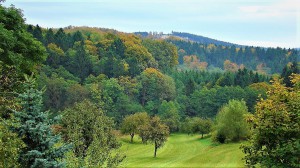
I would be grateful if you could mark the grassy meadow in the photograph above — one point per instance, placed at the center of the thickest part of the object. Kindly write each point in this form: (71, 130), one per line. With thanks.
(181, 150)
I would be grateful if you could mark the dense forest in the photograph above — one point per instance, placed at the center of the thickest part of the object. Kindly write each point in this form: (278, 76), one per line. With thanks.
(81, 84)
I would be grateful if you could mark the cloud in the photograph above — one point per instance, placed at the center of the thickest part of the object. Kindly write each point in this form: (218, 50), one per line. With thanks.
(267, 43)
(277, 9)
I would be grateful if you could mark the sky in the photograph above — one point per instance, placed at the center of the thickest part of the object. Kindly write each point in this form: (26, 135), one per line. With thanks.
(267, 23)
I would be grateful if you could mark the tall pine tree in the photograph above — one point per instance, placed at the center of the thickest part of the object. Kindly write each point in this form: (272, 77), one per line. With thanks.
(36, 132)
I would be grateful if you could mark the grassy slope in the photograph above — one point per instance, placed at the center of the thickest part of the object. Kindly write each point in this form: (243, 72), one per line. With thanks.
(182, 151)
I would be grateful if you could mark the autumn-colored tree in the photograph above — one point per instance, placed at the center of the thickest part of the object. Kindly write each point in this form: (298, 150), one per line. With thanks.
(263, 69)
(193, 62)
(230, 66)
(275, 128)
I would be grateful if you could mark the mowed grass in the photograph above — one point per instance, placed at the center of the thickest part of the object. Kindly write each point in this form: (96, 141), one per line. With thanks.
(182, 150)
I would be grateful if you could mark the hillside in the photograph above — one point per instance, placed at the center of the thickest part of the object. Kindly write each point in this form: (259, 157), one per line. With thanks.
(203, 53)
(201, 39)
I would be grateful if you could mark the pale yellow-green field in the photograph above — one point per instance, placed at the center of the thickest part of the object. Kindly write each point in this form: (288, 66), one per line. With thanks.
(182, 150)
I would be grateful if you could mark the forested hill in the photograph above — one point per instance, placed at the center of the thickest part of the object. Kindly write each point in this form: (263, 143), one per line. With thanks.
(185, 37)
(201, 39)
(265, 61)
(202, 53)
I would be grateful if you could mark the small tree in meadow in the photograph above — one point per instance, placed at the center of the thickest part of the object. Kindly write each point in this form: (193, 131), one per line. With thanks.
(131, 123)
(155, 132)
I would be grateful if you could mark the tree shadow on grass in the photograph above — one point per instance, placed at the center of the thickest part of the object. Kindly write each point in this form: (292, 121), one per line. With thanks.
(127, 140)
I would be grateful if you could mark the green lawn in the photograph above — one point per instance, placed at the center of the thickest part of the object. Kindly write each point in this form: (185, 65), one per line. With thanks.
(182, 150)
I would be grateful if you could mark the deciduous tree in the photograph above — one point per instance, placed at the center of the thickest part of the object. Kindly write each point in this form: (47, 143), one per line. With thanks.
(275, 128)
(155, 132)
(90, 132)
(131, 123)
(230, 122)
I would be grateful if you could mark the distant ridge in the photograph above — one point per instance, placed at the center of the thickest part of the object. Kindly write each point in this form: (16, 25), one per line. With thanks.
(186, 36)
(201, 39)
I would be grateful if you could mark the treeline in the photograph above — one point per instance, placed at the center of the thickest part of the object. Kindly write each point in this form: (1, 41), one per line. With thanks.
(262, 60)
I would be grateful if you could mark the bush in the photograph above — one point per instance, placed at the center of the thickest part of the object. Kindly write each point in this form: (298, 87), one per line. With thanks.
(230, 122)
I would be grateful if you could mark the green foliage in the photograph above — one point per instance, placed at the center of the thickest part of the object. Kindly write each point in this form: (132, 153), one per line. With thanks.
(231, 122)
(90, 132)
(156, 86)
(197, 125)
(275, 140)
(17, 46)
(36, 132)
(155, 132)
(287, 71)
(169, 114)
(164, 53)
(80, 65)
(132, 123)
(10, 144)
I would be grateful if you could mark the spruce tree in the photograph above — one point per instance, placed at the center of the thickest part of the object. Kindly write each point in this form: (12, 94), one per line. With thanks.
(36, 132)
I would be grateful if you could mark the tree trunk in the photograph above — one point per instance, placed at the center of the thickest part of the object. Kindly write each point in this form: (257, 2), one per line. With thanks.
(155, 149)
(131, 139)
(202, 136)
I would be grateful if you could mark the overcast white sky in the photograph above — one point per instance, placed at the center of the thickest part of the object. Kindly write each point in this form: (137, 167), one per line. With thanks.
(268, 23)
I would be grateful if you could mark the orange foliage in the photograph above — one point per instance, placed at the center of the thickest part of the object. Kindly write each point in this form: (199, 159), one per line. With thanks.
(230, 66)
(193, 62)
(262, 69)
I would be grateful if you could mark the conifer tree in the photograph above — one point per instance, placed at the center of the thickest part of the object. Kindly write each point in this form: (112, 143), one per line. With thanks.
(35, 131)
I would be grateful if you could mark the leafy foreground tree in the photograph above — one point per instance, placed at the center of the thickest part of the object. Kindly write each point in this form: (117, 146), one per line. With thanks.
(230, 122)
(10, 144)
(35, 130)
(90, 131)
(155, 132)
(17, 46)
(132, 123)
(275, 140)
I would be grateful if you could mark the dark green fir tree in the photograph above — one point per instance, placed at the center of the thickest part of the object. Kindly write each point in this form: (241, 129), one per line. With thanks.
(42, 149)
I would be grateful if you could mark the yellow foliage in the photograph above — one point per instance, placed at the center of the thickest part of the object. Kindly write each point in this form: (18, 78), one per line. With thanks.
(56, 49)
(90, 47)
(261, 86)
(152, 71)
